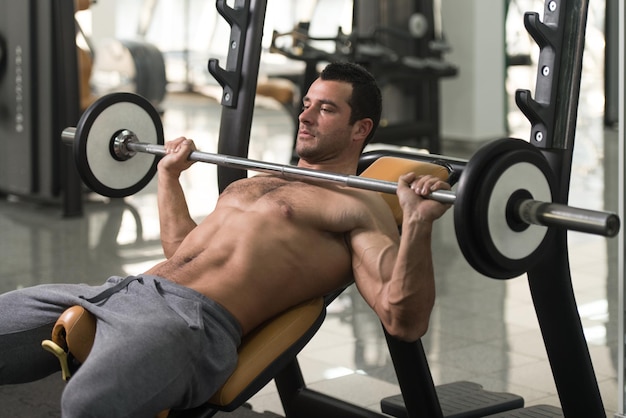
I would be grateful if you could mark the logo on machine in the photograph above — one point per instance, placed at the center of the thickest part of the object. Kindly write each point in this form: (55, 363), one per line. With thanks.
(19, 90)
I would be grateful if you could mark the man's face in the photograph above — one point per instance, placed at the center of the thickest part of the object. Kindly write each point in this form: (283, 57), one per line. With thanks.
(324, 125)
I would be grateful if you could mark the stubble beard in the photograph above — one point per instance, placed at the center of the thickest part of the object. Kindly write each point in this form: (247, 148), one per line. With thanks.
(306, 149)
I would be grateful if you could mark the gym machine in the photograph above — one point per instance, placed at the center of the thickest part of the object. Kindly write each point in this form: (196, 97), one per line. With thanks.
(407, 63)
(611, 67)
(621, 247)
(560, 37)
(133, 65)
(38, 96)
(561, 40)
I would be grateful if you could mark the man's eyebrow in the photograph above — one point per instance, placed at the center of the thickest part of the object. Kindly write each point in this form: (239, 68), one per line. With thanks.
(322, 101)
(328, 102)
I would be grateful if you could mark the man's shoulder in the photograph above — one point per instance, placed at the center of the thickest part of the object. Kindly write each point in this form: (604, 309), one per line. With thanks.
(378, 207)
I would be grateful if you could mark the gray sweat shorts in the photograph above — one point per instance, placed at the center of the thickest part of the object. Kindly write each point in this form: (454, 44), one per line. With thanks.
(158, 345)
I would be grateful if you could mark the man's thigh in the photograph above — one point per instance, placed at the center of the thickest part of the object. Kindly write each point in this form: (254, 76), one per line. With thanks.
(149, 356)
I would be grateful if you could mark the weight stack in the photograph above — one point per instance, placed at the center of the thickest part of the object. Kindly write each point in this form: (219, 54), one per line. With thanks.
(38, 95)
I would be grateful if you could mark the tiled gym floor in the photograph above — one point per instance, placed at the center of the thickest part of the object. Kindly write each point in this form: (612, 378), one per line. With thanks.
(482, 330)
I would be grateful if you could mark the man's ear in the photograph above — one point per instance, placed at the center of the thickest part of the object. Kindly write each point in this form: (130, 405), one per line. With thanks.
(362, 128)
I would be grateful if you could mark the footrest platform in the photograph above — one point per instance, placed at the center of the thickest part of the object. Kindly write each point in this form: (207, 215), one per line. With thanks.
(536, 411)
(461, 400)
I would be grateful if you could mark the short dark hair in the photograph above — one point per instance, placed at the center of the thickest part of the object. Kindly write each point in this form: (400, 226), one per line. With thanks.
(366, 99)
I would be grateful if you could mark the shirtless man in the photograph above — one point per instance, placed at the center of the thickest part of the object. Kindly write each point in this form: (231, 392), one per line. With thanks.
(269, 244)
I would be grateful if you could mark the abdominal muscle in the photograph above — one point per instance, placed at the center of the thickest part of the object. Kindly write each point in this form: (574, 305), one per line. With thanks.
(257, 264)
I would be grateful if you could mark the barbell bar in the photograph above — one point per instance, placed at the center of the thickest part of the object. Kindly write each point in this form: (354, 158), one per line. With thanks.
(502, 209)
(126, 145)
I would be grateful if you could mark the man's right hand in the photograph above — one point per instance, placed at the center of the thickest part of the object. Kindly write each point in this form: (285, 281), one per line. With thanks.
(176, 161)
(413, 191)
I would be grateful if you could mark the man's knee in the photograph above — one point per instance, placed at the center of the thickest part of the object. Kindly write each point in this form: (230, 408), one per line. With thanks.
(78, 403)
(97, 398)
(88, 401)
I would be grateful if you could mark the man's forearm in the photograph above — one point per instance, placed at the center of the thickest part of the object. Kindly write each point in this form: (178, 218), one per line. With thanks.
(174, 218)
(411, 291)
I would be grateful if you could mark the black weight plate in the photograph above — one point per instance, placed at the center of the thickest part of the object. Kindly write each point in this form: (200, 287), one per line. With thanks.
(513, 250)
(99, 124)
(130, 66)
(470, 218)
(468, 234)
(150, 78)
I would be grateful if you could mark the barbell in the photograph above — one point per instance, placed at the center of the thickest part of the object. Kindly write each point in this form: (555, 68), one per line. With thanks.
(502, 207)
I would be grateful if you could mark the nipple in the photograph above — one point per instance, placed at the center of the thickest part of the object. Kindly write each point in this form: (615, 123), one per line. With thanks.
(286, 210)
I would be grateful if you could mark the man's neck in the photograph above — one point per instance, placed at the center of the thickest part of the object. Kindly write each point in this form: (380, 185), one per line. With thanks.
(340, 167)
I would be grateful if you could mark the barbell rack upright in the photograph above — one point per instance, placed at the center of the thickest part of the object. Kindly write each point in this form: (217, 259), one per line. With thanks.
(561, 39)
(238, 80)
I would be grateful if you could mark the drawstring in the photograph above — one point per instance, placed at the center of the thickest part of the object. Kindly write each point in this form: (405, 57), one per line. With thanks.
(111, 290)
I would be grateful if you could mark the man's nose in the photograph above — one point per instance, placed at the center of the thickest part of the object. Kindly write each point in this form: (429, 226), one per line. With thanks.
(305, 116)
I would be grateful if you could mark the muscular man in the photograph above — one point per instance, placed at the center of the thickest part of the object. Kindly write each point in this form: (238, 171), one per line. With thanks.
(168, 338)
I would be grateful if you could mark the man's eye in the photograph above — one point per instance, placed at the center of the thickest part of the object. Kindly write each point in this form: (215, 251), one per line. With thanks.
(327, 110)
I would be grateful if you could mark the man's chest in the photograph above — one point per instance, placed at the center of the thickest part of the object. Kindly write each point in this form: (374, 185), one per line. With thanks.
(329, 207)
